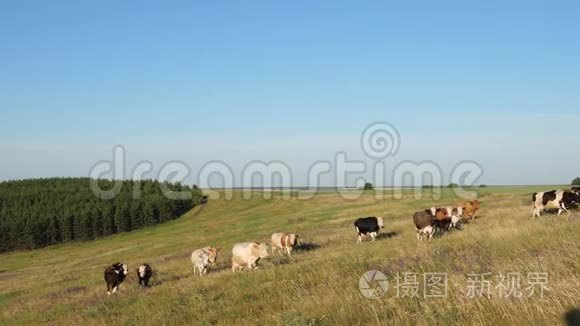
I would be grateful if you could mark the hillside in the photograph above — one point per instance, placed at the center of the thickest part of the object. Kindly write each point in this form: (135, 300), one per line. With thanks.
(318, 285)
(40, 212)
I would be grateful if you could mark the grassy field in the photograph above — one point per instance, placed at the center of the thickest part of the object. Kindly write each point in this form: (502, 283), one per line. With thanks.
(318, 285)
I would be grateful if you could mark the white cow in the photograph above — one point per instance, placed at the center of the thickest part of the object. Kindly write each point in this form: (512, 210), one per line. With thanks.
(284, 242)
(247, 255)
(202, 258)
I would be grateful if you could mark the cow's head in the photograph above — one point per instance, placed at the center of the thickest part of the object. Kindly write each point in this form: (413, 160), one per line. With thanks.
(293, 239)
(212, 254)
(260, 250)
(142, 269)
(120, 269)
(380, 222)
(574, 197)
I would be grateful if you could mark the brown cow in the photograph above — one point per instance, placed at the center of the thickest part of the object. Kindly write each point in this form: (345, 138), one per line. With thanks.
(424, 224)
(441, 218)
(470, 208)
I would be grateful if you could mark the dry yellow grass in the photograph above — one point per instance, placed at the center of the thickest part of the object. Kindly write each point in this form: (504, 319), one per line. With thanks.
(63, 284)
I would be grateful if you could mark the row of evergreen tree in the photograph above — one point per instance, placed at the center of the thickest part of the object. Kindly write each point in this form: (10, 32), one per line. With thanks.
(40, 212)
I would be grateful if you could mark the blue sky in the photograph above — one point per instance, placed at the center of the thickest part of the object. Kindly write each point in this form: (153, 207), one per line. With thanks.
(491, 81)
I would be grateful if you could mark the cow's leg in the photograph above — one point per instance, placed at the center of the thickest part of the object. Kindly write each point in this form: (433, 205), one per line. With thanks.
(108, 288)
(359, 238)
(373, 236)
(536, 212)
(563, 206)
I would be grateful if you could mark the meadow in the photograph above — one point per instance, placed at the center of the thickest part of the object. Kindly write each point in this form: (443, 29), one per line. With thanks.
(319, 283)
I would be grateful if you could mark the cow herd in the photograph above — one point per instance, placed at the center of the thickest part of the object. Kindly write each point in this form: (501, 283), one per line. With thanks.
(442, 219)
(427, 222)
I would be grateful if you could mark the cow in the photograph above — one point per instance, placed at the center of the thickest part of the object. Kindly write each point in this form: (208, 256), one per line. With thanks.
(561, 199)
(442, 218)
(115, 274)
(455, 213)
(284, 242)
(202, 258)
(469, 208)
(144, 273)
(424, 224)
(247, 255)
(575, 189)
(368, 226)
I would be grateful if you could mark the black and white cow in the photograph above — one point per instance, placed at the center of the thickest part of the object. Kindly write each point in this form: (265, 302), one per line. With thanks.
(561, 199)
(368, 226)
(114, 276)
(144, 273)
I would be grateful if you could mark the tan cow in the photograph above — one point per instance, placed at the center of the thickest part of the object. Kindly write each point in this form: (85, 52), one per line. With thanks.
(202, 258)
(247, 255)
(469, 208)
(284, 242)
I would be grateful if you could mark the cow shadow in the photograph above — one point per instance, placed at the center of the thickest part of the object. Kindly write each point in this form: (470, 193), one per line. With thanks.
(306, 246)
(572, 317)
(387, 235)
(279, 260)
(169, 279)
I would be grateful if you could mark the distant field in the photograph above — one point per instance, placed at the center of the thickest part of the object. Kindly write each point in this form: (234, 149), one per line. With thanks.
(63, 284)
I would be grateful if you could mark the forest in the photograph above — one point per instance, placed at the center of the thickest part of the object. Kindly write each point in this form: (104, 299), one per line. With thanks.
(40, 212)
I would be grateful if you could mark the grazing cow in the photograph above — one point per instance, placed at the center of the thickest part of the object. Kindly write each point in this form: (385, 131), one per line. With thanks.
(284, 242)
(114, 276)
(247, 255)
(469, 208)
(144, 273)
(561, 199)
(202, 258)
(424, 224)
(368, 226)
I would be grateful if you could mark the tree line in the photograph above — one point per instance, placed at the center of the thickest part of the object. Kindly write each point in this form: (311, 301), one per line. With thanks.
(40, 212)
